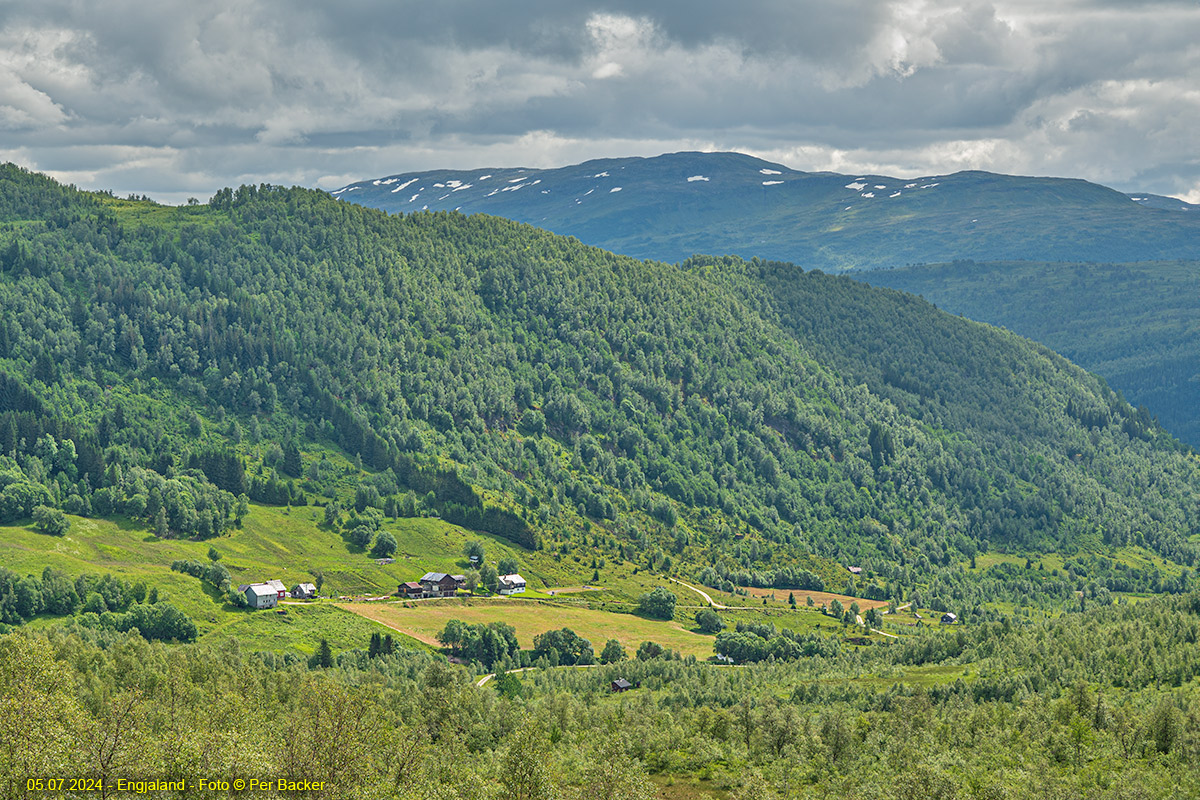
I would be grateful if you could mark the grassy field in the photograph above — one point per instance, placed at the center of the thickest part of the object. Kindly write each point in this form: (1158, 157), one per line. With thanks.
(290, 544)
(287, 544)
(780, 596)
(423, 620)
(302, 629)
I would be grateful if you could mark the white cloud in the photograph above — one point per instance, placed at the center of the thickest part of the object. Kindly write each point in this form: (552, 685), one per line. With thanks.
(177, 98)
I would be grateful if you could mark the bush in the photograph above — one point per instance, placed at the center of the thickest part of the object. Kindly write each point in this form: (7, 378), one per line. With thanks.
(19, 499)
(709, 621)
(563, 646)
(360, 535)
(649, 650)
(385, 545)
(658, 603)
(50, 520)
(612, 652)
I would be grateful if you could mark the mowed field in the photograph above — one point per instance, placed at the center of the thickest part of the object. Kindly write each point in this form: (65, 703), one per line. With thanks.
(423, 620)
(819, 598)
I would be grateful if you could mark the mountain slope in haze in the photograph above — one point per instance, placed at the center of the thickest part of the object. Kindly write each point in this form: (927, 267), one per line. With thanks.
(676, 205)
(524, 384)
(1135, 323)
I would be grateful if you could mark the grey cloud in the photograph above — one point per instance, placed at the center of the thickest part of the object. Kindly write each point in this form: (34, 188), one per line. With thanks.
(191, 96)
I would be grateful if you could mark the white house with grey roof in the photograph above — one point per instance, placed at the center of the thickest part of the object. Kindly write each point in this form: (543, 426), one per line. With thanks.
(511, 584)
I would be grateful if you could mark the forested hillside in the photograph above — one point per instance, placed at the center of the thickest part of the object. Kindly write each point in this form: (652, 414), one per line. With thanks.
(1133, 323)
(159, 363)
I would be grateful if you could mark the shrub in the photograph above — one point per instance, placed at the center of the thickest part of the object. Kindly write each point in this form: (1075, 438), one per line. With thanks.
(709, 621)
(658, 603)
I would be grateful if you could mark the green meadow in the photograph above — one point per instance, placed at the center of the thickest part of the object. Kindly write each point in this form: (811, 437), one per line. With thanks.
(292, 545)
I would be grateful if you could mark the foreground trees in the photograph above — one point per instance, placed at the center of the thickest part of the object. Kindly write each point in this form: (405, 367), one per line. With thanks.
(1098, 705)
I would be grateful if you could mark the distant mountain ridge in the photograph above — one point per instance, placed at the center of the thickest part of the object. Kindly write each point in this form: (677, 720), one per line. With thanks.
(675, 205)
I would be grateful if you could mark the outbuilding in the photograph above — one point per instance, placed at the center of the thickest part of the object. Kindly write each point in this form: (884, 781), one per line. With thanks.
(949, 619)
(304, 591)
(621, 685)
(261, 595)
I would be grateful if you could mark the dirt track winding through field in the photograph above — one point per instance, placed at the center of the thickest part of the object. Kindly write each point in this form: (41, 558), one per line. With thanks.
(704, 594)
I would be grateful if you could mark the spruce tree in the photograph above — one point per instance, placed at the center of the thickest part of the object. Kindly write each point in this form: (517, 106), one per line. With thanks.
(291, 459)
(324, 655)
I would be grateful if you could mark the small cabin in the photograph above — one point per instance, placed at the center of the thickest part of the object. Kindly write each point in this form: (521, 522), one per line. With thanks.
(621, 685)
(410, 589)
(304, 591)
(949, 619)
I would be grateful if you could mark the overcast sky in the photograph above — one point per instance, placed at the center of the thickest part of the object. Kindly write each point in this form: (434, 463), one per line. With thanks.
(177, 98)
